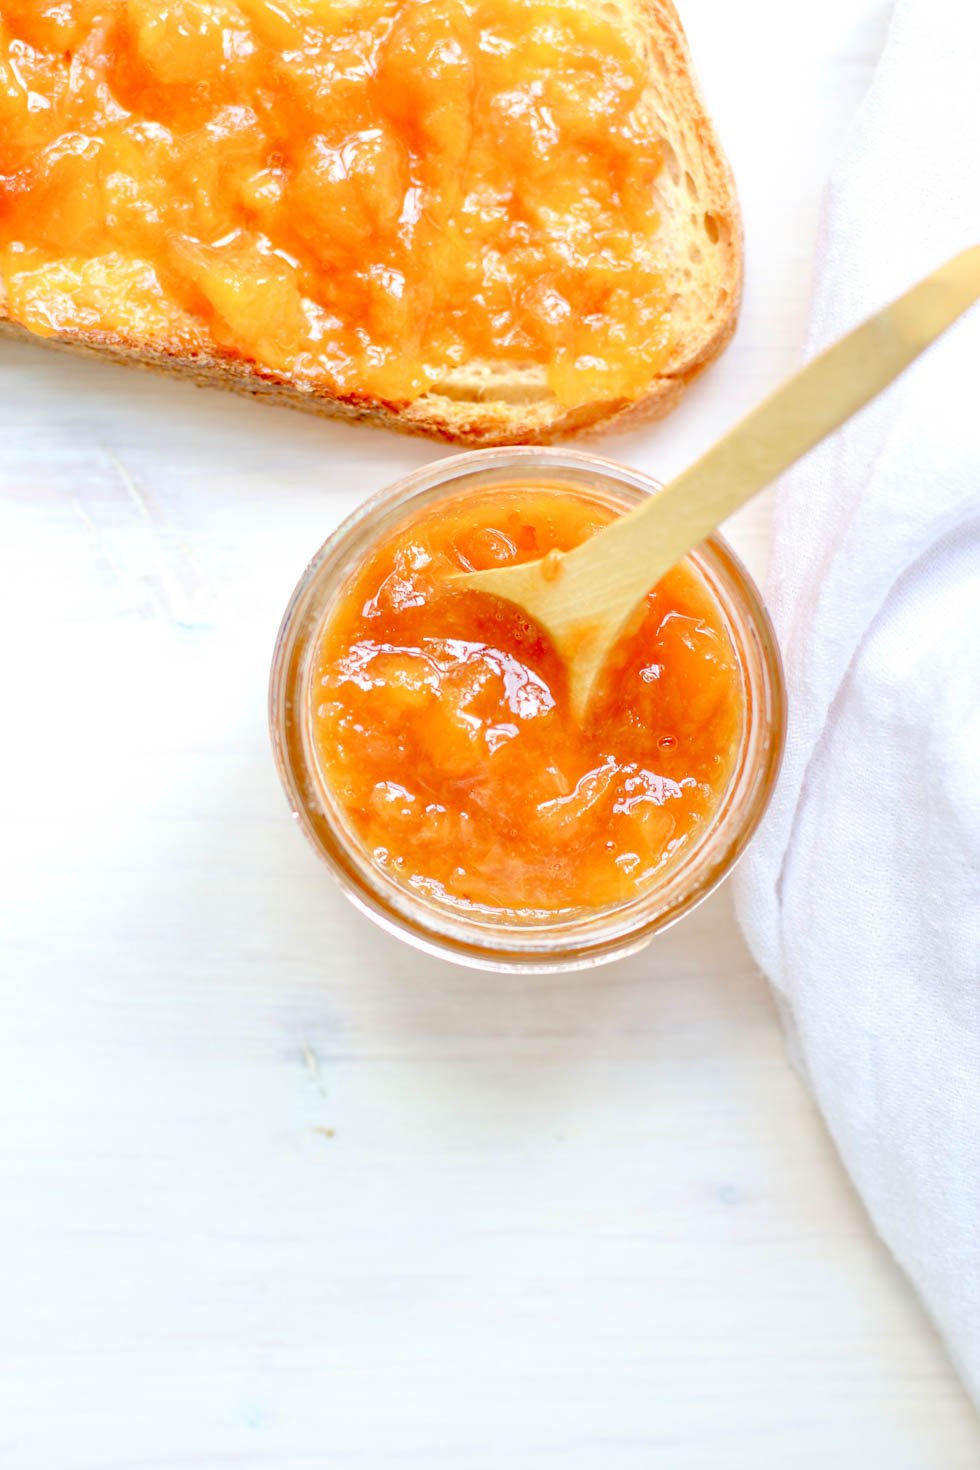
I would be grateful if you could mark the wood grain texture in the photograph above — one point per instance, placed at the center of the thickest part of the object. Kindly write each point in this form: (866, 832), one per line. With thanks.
(275, 1192)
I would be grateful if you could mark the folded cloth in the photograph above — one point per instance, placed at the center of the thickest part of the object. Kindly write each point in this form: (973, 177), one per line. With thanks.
(861, 894)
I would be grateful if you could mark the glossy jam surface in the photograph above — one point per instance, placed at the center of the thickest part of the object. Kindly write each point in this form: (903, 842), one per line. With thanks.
(363, 195)
(440, 722)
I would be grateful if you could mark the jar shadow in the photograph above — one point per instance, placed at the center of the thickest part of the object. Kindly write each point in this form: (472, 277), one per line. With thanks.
(468, 1053)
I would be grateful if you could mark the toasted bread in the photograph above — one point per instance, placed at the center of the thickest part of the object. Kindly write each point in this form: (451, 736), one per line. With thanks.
(488, 402)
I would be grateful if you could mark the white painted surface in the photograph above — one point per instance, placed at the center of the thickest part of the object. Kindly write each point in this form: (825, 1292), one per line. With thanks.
(274, 1191)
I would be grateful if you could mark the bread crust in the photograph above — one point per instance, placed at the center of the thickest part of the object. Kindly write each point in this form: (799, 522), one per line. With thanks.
(693, 156)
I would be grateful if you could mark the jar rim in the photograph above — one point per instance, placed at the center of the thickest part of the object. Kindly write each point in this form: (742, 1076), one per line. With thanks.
(560, 940)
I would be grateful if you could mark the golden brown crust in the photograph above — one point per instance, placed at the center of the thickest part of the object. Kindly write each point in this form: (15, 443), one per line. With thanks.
(704, 229)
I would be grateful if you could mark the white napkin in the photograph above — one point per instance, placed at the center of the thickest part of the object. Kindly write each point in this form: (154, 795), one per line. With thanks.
(861, 894)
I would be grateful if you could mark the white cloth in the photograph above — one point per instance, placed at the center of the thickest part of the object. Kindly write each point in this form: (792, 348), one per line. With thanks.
(861, 894)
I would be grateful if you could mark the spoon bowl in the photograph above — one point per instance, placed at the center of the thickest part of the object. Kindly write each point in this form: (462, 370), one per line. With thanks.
(584, 598)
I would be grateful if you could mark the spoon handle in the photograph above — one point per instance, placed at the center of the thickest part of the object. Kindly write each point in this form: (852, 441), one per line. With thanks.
(620, 564)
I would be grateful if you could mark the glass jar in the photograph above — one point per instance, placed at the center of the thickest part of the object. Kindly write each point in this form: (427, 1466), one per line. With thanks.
(560, 941)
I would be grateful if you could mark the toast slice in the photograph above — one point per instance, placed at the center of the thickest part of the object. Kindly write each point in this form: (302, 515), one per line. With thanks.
(482, 400)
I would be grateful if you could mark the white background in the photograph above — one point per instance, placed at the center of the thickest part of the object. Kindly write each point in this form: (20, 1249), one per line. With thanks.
(275, 1191)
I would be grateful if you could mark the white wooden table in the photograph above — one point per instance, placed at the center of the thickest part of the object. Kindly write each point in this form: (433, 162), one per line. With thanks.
(277, 1192)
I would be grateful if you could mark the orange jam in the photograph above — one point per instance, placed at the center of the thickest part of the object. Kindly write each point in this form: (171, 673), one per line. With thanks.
(441, 724)
(362, 196)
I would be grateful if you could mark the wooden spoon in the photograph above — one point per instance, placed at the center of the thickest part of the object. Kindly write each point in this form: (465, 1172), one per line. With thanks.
(583, 598)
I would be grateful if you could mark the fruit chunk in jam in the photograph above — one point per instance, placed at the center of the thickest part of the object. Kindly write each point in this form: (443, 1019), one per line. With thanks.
(441, 725)
(361, 196)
